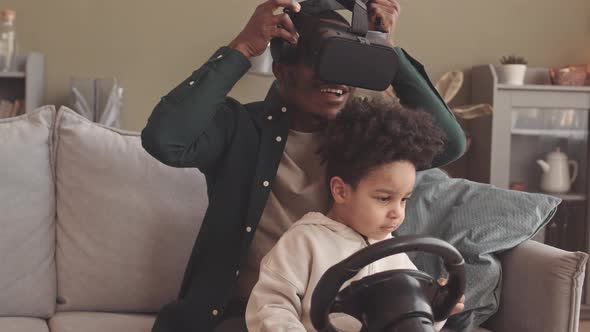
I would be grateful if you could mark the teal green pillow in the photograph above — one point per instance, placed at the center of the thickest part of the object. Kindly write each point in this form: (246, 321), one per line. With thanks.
(481, 221)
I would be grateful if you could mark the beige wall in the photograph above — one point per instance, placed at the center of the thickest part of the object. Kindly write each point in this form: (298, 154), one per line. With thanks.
(151, 45)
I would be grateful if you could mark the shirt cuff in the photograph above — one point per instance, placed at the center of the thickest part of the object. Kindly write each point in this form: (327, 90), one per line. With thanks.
(230, 56)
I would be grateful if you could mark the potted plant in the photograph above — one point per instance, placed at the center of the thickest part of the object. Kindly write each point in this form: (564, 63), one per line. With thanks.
(512, 70)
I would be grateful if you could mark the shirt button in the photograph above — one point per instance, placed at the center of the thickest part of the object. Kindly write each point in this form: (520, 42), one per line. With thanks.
(191, 83)
(248, 229)
(279, 138)
(283, 109)
(215, 312)
(270, 117)
(266, 183)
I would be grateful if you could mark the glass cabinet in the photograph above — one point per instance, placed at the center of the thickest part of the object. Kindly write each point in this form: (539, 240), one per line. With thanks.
(536, 141)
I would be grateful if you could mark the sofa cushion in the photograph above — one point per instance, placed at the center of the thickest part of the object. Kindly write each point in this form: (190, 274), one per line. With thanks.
(27, 217)
(23, 324)
(100, 322)
(481, 221)
(126, 223)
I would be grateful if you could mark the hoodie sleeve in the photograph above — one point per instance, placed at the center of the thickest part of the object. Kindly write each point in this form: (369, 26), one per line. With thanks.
(275, 303)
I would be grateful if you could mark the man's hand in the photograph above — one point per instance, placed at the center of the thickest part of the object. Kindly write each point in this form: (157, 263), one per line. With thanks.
(459, 306)
(265, 25)
(383, 16)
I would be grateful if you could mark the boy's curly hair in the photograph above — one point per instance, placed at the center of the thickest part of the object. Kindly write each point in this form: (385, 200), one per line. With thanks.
(369, 133)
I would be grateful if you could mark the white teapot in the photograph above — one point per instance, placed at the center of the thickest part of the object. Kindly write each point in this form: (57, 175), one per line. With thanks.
(556, 174)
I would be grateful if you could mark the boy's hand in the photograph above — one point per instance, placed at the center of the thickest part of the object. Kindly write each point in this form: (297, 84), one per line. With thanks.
(459, 306)
(265, 25)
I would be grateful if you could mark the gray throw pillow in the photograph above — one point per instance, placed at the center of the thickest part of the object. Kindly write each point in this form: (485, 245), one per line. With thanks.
(125, 222)
(27, 215)
(481, 221)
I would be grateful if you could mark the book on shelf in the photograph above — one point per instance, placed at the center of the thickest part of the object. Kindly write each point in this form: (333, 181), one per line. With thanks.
(10, 109)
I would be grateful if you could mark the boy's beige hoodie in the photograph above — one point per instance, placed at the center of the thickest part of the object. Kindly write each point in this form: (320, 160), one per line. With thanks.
(289, 273)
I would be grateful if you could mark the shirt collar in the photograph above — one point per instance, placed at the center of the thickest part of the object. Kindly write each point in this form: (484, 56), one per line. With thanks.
(273, 101)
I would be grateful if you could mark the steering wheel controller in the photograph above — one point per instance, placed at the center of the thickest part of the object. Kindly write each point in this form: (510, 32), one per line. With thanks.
(390, 301)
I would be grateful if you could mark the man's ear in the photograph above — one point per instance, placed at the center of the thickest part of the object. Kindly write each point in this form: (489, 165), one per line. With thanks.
(340, 190)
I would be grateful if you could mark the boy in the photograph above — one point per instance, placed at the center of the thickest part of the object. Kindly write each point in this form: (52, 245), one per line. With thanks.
(372, 151)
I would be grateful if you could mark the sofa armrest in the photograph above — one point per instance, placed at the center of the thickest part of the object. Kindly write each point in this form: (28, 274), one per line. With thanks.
(541, 289)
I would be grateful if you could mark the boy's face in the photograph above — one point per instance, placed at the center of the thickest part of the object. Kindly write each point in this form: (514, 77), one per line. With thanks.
(377, 206)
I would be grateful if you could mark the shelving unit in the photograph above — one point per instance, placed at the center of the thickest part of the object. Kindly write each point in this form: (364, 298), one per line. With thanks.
(26, 83)
(12, 74)
(528, 122)
(573, 134)
(538, 82)
(571, 197)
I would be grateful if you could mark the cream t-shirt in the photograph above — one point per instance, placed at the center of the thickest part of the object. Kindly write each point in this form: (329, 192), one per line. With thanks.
(299, 187)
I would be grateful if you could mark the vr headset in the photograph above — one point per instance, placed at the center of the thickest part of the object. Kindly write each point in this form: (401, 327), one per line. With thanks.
(341, 54)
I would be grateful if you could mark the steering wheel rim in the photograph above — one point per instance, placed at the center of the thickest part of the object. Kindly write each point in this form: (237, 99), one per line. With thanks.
(330, 283)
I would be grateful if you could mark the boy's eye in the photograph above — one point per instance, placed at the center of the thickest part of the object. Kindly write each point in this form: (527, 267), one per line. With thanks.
(383, 199)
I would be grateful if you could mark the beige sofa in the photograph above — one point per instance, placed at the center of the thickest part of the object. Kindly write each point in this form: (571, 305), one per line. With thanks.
(95, 235)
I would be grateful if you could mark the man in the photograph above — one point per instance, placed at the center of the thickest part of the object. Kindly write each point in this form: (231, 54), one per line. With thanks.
(259, 159)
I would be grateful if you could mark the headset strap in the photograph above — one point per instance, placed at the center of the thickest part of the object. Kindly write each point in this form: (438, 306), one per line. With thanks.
(360, 22)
